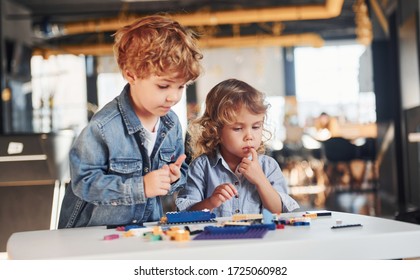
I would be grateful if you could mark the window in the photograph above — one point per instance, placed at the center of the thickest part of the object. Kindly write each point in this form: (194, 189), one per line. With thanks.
(327, 80)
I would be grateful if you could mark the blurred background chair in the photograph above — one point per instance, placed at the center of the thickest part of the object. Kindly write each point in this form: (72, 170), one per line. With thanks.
(350, 172)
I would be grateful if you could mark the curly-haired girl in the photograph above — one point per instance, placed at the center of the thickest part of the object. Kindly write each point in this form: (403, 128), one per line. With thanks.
(229, 173)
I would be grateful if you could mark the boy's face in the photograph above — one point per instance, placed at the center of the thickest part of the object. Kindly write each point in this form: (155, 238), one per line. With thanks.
(155, 95)
(237, 139)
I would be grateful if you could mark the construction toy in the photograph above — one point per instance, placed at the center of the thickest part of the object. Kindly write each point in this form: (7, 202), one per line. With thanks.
(177, 234)
(188, 217)
(152, 237)
(267, 217)
(246, 217)
(250, 233)
(111, 236)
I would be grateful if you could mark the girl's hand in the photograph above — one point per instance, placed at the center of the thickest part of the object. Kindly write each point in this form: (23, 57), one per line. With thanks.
(251, 168)
(175, 167)
(221, 194)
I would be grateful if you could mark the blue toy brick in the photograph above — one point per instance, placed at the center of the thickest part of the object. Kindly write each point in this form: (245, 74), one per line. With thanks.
(127, 228)
(190, 216)
(271, 226)
(301, 223)
(267, 216)
(283, 222)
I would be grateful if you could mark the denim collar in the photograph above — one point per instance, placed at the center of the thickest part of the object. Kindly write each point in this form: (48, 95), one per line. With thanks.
(214, 160)
(131, 121)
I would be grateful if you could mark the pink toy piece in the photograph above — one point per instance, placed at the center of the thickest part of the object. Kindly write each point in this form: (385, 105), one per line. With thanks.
(111, 237)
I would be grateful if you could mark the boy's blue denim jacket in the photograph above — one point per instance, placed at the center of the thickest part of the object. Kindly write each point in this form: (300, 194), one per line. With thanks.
(107, 167)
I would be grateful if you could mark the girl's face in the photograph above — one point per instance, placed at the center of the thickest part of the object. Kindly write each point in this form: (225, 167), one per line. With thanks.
(237, 139)
(155, 96)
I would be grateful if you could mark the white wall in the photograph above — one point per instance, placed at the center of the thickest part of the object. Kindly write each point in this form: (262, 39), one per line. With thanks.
(260, 67)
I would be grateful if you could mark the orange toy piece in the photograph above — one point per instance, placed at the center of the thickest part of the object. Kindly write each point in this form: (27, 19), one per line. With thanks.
(163, 220)
(157, 230)
(177, 234)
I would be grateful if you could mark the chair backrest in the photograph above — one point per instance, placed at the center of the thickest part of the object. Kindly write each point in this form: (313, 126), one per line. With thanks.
(339, 149)
(368, 149)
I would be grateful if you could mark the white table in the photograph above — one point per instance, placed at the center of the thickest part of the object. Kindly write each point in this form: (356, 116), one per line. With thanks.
(378, 238)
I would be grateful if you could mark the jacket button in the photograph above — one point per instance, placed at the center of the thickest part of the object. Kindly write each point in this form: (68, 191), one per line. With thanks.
(236, 183)
(237, 211)
(146, 169)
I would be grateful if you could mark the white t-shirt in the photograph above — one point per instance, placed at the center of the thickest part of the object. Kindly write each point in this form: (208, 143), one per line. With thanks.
(151, 138)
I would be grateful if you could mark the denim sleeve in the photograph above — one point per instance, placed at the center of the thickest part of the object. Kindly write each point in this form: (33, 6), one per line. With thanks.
(277, 180)
(90, 173)
(180, 183)
(194, 190)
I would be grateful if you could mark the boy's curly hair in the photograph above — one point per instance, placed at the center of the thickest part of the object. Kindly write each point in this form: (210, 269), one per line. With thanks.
(222, 104)
(155, 45)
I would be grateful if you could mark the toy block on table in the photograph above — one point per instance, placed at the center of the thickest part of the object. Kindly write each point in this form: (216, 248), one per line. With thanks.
(266, 217)
(203, 216)
(152, 237)
(111, 236)
(178, 234)
(246, 217)
(233, 224)
(297, 221)
(226, 230)
(315, 214)
(231, 233)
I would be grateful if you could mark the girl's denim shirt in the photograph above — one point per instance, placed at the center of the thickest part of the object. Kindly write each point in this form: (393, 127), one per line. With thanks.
(107, 167)
(206, 173)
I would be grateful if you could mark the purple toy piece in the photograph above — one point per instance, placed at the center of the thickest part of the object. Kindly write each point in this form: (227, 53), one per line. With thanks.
(251, 233)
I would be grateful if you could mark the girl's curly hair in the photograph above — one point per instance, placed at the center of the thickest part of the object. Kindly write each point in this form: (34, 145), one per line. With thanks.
(222, 104)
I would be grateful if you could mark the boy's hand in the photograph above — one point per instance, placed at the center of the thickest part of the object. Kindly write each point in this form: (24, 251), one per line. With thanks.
(157, 182)
(251, 169)
(175, 167)
(222, 193)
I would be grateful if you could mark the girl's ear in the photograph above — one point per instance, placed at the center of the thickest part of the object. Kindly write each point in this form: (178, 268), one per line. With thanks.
(131, 78)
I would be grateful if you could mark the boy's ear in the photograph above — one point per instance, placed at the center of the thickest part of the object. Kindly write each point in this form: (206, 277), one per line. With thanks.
(129, 76)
